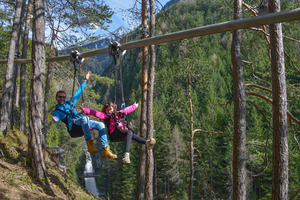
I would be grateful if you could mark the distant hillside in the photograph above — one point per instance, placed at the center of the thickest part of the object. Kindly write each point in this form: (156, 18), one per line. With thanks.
(171, 2)
(208, 61)
(97, 64)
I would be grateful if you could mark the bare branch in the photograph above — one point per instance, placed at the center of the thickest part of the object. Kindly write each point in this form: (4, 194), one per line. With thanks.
(252, 70)
(271, 101)
(255, 12)
(198, 189)
(293, 126)
(261, 30)
(250, 143)
(8, 2)
(259, 86)
(298, 190)
(291, 61)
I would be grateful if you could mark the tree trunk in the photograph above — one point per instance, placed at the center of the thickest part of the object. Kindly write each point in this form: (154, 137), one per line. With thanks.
(48, 78)
(280, 176)
(23, 71)
(17, 66)
(18, 93)
(35, 149)
(143, 122)
(7, 99)
(239, 140)
(191, 140)
(54, 35)
(149, 153)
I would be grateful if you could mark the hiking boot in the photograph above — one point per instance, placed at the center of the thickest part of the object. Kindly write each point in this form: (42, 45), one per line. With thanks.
(107, 153)
(91, 148)
(126, 158)
(150, 143)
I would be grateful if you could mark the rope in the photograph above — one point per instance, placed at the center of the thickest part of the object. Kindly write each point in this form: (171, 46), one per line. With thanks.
(82, 99)
(76, 58)
(116, 74)
(115, 52)
(122, 82)
(73, 82)
(123, 101)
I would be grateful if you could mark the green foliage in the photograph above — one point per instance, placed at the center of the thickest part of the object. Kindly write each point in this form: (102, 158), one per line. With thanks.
(77, 16)
(208, 60)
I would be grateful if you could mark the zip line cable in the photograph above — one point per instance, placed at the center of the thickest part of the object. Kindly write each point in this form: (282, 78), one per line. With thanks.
(270, 18)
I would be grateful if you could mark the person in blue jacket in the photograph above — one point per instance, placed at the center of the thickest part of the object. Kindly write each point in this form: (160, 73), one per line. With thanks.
(78, 124)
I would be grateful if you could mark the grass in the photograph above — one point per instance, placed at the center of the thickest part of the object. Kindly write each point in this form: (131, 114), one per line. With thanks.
(16, 181)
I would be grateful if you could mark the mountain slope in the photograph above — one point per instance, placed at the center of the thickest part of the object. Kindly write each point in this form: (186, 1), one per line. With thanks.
(208, 60)
(97, 64)
(16, 180)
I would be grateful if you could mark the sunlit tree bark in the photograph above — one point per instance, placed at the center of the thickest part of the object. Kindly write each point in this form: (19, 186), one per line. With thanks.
(23, 71)
(239, 139)
(143, 120)
(17, 66)
(35, 149)
(8, 95)
(150, 126)
(280, 175)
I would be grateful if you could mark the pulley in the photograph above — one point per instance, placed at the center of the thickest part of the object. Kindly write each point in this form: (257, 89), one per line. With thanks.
(115, 51)
(75, 57)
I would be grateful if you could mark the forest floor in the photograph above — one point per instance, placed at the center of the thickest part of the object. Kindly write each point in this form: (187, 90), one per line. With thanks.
(16, 181)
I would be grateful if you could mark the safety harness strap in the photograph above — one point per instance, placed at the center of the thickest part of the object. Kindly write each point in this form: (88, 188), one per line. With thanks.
(115, 51)
(76, 130)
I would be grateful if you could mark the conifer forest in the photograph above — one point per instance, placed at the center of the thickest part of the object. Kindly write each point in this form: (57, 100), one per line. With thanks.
(223, 107)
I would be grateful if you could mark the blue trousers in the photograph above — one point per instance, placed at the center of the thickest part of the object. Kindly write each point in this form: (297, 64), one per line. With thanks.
(86, 123)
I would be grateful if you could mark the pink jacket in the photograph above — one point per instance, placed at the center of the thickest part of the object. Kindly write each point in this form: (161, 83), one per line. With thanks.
(102, 115)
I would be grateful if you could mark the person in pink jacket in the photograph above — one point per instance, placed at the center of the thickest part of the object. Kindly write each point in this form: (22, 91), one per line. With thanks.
(117, 133)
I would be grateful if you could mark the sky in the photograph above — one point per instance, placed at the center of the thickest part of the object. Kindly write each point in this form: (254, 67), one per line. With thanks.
(115, 5)
(117, 21)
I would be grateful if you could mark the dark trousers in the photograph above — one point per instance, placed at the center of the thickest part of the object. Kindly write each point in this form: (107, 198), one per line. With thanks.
(120, 135)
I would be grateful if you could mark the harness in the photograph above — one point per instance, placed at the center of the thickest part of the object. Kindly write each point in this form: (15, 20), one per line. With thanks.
(76, 130)
(116, 52)
(75, 57)
(107, 124)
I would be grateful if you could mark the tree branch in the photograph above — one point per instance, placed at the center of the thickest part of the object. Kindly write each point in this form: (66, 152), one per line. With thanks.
(252, 70)
(271, 101)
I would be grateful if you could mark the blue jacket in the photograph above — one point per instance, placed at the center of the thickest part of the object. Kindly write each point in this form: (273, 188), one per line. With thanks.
(59, 115)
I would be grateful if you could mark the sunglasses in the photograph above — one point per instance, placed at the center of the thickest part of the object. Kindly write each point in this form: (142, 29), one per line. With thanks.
(62, 97)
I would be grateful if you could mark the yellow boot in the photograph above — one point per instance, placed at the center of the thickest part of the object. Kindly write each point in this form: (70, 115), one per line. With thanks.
(91, 148)
(107, 153)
